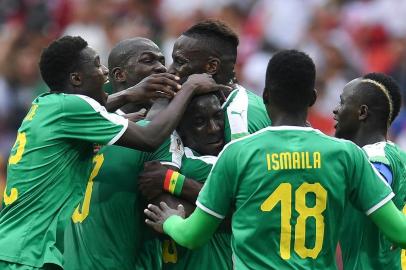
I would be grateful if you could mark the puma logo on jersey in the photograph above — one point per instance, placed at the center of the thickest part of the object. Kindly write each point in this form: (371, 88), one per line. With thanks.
(238, 113)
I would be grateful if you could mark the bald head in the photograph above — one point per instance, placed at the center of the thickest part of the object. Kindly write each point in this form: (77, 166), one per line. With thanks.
(131, 60)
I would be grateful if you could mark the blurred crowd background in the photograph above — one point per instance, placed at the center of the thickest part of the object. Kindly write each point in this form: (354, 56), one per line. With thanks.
(345, 39)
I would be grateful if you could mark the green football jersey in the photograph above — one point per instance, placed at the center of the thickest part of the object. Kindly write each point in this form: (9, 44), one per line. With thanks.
(216, 254)
(289, 187)
(363, 245)
(47, 171)
(245, 113)
(107, 230)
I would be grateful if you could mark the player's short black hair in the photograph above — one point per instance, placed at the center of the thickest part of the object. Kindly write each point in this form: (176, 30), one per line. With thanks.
(377, 100)
(290, 80)
(215, 34)
(59, 59)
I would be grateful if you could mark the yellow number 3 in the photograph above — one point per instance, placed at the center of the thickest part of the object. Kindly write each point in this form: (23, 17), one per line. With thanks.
(81, 215)
(21, 141)
(9, 199)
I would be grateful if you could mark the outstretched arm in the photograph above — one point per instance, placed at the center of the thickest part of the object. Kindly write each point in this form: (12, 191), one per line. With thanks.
(192, 232)
(391, 222)
(148, 138)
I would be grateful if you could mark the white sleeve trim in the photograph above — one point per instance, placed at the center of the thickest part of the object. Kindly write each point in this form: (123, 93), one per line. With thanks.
(112, 117)
(168, 163)
(208, 211)
(118, 136)
(380, 204)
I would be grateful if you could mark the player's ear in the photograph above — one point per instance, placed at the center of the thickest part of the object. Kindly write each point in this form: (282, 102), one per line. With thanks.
(313, 98)
(213, 65)
(363, 112)
(75, 79)
(119, 74)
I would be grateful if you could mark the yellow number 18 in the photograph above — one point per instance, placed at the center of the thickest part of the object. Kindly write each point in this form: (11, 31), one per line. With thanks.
(283, 194)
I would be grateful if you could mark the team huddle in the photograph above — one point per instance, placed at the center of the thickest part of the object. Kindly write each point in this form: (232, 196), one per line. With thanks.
(183, 168)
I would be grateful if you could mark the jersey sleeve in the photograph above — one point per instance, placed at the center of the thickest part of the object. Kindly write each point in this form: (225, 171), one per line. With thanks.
(368, 191)
(170, 153)
(85, 119)
(218, 192)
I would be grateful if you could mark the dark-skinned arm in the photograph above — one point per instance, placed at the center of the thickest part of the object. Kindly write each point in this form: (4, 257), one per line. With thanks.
(162, 85)
(148, 138)
(151, 182)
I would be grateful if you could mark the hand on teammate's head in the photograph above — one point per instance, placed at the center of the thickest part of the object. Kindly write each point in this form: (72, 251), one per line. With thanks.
(161, 85)
(204, 83)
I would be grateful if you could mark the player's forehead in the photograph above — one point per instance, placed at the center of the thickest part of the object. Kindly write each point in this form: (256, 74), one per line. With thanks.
(350, 89)
(186, 45)
(88, 54)
(206, 104)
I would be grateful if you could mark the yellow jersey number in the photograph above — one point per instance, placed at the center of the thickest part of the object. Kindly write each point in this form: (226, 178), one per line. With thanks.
(80, 214)
(20, 143)
(283, 194)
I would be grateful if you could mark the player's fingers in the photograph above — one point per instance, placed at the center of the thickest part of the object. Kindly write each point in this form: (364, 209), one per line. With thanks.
(166, 82)
(166, 89)
(150, 223)
(181, 209)
(167, 75)
(164, 206)
(155, 209)
(223, 88)
(151, 215)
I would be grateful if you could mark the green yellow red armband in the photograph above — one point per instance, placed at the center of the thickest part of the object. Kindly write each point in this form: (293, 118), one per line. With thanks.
(174, 182)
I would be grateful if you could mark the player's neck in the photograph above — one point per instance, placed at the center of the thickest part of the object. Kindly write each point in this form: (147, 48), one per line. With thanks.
(368, 136)
(289, 119)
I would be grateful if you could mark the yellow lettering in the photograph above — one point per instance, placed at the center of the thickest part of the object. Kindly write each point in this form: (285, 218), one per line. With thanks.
(275, 162)
(308, 165)
(31, 113)
(9, 199)
(303, 159)
(296, 160)
(268, 161)
(285, 160)
(21, 141)
(316, 160)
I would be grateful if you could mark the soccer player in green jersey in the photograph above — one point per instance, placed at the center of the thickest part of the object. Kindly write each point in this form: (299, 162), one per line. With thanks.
(202, 133)
(368, 106)
(211, 46)
(287, 185)
(106, 230)
(53, 154)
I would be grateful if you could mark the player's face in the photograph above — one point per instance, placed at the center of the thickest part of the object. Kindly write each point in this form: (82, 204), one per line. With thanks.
(347, 112)
(148, 60)
(93, 75)
(202, 128)
(187, 58)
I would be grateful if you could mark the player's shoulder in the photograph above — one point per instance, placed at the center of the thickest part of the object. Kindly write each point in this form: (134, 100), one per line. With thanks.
(80, 102)
(192, 156)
